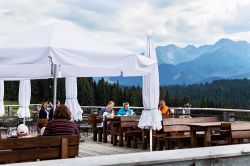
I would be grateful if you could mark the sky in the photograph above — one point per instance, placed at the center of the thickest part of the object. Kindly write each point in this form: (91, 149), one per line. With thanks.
(128, 22)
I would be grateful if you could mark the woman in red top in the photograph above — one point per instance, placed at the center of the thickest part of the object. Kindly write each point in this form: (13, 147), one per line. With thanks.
(61, 123)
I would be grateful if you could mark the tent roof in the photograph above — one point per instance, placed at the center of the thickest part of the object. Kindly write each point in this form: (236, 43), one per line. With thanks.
(78, 52)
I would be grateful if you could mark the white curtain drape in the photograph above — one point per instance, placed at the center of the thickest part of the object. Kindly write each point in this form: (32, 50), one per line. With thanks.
(24, 99)
(151, 116)
(2, 110)
(71, 98)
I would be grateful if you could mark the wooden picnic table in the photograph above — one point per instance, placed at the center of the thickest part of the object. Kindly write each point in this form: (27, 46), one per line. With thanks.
(206, 127)
(118, 127)
(113, 123)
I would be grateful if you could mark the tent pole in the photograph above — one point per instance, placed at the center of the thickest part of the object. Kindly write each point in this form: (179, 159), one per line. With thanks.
(24, 120)
(55, 87)
(150, 139)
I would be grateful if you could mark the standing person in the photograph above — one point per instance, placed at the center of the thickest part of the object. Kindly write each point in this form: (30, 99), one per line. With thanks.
(108, 110)
(125, 110)
(44, 113)
(163, 108)
(61, 124)
(51, 112)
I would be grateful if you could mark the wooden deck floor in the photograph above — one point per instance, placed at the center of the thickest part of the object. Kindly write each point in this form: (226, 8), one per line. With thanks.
(90, 148)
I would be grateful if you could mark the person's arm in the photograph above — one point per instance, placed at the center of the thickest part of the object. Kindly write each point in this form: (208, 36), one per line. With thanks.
(132, 112)
(119, 112)
(101, 113)
(51, 112)
(76, 132)
(46, 131)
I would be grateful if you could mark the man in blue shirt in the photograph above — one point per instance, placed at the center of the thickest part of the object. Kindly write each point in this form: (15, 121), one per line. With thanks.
(125, 110)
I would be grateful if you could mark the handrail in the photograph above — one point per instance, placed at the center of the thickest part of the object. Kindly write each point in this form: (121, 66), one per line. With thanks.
(175, 108)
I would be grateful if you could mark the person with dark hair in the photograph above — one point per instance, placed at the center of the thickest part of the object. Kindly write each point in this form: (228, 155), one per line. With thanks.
(125, 110)
(41, 125)
(163, 108)
(61, 123)
(44, 113)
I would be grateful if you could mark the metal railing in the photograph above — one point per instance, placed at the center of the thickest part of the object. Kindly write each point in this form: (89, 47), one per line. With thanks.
(10, 111)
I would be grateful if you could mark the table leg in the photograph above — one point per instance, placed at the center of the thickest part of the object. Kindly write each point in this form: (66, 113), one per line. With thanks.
(121, 138)
(105, 132)
(207, 139)
(193, 137)
(115, 139)
(94, 132)
(144, 139)
(99, 135)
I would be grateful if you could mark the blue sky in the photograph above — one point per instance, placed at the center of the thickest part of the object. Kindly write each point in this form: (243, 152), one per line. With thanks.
(128, 22)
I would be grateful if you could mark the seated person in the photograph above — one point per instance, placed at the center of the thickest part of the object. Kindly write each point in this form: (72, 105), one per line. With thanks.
(108, 110)
(163, 108)
(41, 125)
(125, 110)
(61, 123)
(23, 131)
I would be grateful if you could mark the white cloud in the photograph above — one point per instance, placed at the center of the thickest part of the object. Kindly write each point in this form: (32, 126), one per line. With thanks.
(127, 23)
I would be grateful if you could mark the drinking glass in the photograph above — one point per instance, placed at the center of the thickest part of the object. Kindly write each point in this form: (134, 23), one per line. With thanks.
(33, 131)
(4, 135)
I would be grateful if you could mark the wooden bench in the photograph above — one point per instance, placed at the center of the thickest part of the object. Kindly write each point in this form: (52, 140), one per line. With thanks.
(175, 129)
(38, 148)
(93, 120)
(129, 126)
(237, 131)
(125, 126)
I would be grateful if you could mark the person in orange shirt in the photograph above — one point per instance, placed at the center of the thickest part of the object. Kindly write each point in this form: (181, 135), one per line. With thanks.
(163, 108)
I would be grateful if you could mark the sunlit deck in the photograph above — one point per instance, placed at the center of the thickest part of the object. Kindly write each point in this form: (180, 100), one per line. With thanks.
(89, 148)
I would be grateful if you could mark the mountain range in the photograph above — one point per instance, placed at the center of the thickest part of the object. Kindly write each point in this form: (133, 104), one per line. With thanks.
(225, 59)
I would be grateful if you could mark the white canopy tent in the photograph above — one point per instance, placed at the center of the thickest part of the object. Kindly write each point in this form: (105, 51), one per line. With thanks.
(46, 51)
(30, 54)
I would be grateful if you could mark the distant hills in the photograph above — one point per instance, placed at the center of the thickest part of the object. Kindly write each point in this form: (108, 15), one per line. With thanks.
(226, 59)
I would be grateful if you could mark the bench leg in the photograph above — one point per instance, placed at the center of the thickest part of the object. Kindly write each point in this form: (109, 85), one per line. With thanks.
(144, 139)
(154, 143)
(160, 145)
(135, 142)
(115, 140)
(167, 144)
(94, 133)
(129, 141)
(121, 139)
(112, 138)
(99, 135)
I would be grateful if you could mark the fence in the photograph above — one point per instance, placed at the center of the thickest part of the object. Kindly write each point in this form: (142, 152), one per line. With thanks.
(227, 114)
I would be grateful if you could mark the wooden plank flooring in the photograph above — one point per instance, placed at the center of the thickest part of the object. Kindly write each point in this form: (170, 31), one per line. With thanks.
(90, 148)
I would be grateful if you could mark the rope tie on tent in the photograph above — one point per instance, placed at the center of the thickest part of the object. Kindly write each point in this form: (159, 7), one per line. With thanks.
(23, 106)
(149, 109)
